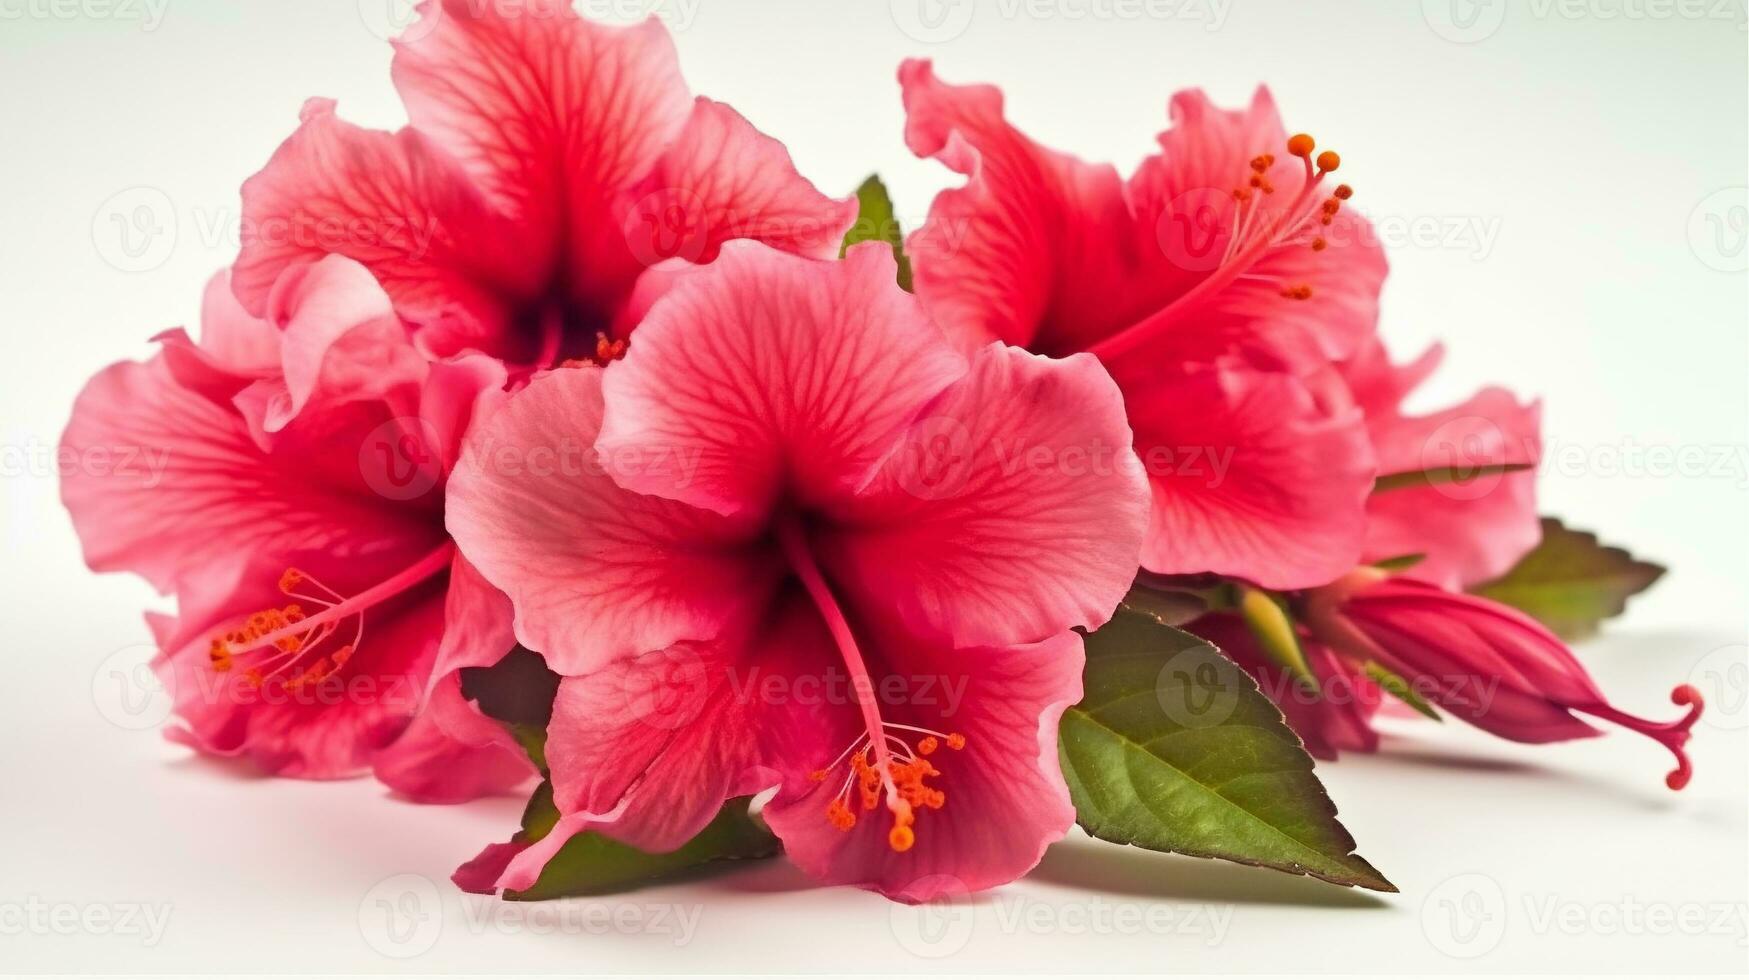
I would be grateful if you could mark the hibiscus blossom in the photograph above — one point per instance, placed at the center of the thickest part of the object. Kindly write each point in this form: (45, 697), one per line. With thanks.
(298, 519)
(1217, 284)
(791, 480)
(548, 163)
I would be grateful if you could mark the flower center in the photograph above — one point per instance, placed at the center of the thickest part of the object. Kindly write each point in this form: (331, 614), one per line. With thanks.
(906, 768)
(878, 759)
(1257, 230)
(305, 641)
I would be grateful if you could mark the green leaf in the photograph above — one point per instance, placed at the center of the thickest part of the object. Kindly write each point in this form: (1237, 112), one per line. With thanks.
(875, 222)
(1175, 749)
(1571, 583)
(591, 864)
(1443, 474)
(1392, 683)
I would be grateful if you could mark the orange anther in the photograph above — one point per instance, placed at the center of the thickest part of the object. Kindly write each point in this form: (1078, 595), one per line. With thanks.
(1329, 160)
(956, 741)
(1300, 145)
(1343, 192)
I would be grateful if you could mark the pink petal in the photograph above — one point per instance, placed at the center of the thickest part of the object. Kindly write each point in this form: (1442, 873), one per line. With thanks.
(452, 753)
(767, 379)
(647, 749)
(1470, 530)
(596, 573)
(171, 482)
(392, 202)
(722, 179)
(1251, 477)
(1011, 509)
(1005, 796)
(553, 116)
(1036, 249)
(429, 763)
(342, 340)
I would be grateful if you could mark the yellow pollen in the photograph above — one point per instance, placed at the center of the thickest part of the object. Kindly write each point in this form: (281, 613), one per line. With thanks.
(901, 777)
(284, 654)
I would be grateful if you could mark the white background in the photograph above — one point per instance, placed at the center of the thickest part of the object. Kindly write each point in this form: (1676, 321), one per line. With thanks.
(1561, 187)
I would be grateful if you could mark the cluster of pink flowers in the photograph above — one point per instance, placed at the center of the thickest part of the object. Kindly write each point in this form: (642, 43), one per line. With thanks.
(599, 385)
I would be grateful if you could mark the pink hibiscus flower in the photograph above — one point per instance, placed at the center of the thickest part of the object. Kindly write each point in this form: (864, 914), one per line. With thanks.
(549, 162)
(297, 515)
(795, 539)
(1217, 284)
